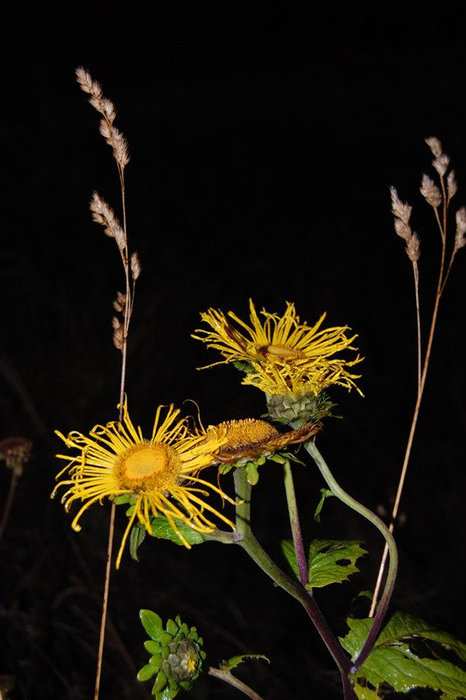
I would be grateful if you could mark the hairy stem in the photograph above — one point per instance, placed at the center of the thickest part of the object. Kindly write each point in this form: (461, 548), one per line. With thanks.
(253, 548)
(295, 524)
(348, 500)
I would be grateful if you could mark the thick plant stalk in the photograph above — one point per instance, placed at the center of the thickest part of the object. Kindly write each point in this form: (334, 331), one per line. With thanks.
(250, 545)
(295, 525)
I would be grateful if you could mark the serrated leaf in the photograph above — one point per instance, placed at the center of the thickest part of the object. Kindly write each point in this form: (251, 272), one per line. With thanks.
(332, 561)
(365, 693)
(151, 622)
(393, 660)
(162, 529)
(237, 660)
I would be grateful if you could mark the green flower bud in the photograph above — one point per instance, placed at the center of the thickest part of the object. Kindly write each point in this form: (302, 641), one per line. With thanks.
(177, 655)
(294, 409)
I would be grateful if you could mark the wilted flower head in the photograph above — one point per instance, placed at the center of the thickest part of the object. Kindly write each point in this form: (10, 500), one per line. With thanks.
(249, 438)
(16, 451)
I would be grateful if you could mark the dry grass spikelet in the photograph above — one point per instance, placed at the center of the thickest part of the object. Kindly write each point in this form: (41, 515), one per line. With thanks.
(135, 266)
(452, 187)
(106, 108)
(104, 215)
(87, 84)
(402, 213)
(401, 210)
(460, 234)
(441, 164)
(413, 248)
(118, 333)
(430, 192)
(117, 141)
(435, 146)
(120, 302)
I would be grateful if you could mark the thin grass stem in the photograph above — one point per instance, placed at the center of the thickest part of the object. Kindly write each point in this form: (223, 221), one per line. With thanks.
(103, 619)
(442, 224)
(9, 501)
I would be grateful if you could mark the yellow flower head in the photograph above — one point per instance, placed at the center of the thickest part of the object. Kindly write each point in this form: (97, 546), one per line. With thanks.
(282, 355)
(160, 475)
(250, 438)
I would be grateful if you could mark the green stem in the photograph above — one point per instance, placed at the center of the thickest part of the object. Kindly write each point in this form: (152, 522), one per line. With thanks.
(250, 545)
(295, 525)
(348, 500)
(235, 682)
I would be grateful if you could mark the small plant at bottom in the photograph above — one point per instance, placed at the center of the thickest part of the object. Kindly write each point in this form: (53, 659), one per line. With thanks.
(177, 655)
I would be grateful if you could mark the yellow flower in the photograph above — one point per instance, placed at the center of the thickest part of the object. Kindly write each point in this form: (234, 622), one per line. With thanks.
(159, 475)
(282, 355)
(275, 380)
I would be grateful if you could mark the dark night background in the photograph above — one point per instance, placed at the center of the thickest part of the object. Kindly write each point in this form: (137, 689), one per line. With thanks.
(263, 140)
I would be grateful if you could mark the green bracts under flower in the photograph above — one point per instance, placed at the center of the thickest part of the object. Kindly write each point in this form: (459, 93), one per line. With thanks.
(177, 655)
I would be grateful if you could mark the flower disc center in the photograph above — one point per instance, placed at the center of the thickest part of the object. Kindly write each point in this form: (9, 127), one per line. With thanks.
(146, 462)
(280, 352)
(148, 466)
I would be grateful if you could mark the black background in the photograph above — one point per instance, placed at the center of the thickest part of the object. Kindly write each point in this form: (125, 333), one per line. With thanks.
(263, 140)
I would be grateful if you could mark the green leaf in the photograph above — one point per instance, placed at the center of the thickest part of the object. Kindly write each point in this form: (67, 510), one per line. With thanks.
(151, 622)
(160, 683)
(239, 659)
(325, 493)
(171, 627)
(290, 555)
(146, 672)
(162, 529)
(408, 654)
(136, 538)
(365, 693)
(252, 473)
(332, 561)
